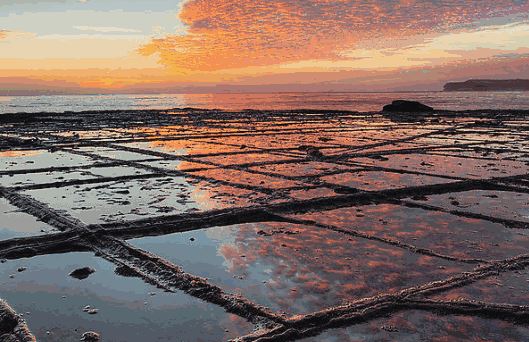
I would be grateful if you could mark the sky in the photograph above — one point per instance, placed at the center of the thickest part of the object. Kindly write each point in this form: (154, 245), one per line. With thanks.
(146, 46)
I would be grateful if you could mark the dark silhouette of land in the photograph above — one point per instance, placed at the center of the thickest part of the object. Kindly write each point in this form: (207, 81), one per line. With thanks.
(488, 85)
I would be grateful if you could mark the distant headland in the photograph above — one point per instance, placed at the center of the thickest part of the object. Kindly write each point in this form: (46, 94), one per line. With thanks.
(488, 85)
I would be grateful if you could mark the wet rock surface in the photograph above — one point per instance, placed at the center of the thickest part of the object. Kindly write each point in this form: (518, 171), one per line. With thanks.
(13, 328)
(301, 224)
(90, 336)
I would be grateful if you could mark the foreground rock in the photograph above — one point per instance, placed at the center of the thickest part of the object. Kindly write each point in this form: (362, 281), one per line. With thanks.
(12, 327)
(403, 106)
(82, 273)
(90, 336)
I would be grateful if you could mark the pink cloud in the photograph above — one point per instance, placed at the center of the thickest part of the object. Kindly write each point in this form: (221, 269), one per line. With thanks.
(226, 34)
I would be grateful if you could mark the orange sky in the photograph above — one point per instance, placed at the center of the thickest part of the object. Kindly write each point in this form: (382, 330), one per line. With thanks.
(81, 46)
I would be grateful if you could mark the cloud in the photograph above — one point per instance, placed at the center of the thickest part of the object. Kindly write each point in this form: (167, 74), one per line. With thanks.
(106, 29)
(107, 76)
(3, 33)
(225, 34)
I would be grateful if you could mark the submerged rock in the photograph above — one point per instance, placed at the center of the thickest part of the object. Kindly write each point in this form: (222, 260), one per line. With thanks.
(403, 106)
(82, 273)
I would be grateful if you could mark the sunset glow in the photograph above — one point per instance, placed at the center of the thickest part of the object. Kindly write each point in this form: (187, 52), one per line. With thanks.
(87, 46)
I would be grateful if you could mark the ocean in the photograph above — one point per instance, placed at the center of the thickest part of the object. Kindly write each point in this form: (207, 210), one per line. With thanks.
(280, 101)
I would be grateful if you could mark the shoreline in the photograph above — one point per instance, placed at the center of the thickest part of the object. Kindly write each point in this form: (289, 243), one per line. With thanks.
(32, 123)
(101, 181)
(271, 111)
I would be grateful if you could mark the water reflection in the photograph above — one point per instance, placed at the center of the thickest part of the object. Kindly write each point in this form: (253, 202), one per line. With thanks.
(502, 204)
(36, 159)
(378, 180)
(416, 325)
(510, 288)
(293, 268)
(128, 308)
(19, 224)
(444, 233)
(448, 165)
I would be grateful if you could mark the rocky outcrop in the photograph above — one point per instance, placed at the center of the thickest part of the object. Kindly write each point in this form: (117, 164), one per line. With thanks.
(12, 327)
(402, 106)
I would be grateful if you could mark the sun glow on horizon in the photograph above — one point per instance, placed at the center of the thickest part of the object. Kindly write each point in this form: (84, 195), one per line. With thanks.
(78, 46)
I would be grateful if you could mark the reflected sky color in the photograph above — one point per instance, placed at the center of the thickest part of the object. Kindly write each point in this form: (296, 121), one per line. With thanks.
(128, 308)
(294, 268)
(330, 257)
(441, 232)
(417, 325)
(192, 45)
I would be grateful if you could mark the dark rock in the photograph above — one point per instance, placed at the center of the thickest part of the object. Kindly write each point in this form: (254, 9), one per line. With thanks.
(9, 338)
(90, 336)
(390, 328)
(165, 209)
(324, 139)
(25, 252)
(82, 273)
(403, 106)
(378, 157)
(313, 152)
(125, 271)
